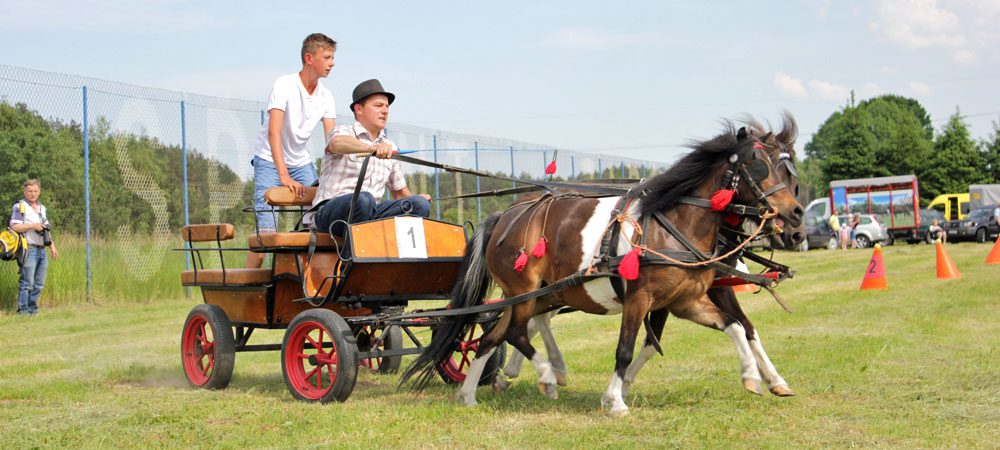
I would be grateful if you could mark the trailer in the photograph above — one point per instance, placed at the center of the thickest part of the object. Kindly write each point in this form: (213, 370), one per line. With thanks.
(895, 200)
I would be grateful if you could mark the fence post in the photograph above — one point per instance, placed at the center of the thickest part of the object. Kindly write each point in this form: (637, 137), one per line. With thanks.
(437, 189)
(545, 176)
(479, 200)
(600, 171)
(572, 166)
(512, 169)
(644, 171)
(86, 186)
(184, 166)
(623, 169)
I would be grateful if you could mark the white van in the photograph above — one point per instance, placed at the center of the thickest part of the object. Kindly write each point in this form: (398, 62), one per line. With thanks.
(820, 207)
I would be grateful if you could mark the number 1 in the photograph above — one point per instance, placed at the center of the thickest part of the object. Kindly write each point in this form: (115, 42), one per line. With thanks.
(413, 237)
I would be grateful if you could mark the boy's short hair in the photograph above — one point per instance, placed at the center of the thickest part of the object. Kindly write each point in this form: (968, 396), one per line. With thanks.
(33, 182)
(316, 41)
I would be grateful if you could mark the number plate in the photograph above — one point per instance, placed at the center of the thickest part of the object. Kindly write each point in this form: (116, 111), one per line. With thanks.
(410, 237)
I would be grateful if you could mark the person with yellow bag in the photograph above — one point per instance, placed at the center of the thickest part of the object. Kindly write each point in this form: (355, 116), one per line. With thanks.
(28, 219)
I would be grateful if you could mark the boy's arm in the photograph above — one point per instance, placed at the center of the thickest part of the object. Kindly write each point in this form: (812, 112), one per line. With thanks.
(276, 121)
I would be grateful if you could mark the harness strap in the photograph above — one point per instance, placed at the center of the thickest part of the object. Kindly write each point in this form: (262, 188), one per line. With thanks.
(679, 236)
(575, 279)
(528, 206)
(743, 210)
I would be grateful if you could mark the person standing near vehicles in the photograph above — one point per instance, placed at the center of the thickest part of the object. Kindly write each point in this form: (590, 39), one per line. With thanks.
(835, 225)
(345, 153)
(298, 102)
(996, 214)
(855, 220)
(28, 218)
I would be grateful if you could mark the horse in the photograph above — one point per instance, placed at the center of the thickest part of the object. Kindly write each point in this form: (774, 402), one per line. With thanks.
(780, 148)
(730, 166)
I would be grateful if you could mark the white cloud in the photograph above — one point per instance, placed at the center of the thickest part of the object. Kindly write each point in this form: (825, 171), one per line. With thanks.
(886, 70)
(918, 88)
(966, 57)
(829, 91)
(917, 24)
(788, 85)
(595, 39)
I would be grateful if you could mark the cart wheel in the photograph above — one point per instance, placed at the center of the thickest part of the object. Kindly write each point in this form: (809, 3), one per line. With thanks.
(208, 351)
(453, 370)
(319, 357)
(368, 339)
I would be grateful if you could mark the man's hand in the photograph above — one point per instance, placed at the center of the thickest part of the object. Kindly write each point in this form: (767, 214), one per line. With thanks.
(38, 226)
(382, 151)
(55, 253)
(426, 196)
(297, 188)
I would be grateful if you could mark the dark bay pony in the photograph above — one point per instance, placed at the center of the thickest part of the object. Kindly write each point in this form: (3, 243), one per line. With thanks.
(780, 148)
(574, 238)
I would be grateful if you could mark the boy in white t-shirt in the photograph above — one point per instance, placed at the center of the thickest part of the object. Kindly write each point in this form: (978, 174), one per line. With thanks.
(298, 102)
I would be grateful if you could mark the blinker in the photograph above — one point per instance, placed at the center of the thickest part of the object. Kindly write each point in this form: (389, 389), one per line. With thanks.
(757, 170)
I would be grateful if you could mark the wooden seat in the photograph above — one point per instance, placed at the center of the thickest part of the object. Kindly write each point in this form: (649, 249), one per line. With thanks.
(292, 239)
(282, 196)
(237, 277)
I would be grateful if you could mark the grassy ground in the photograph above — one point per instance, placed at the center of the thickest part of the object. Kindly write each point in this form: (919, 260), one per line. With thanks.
(915, 366)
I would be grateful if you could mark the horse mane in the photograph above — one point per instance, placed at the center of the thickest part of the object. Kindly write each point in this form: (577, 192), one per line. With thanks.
(688, 173)
(775, 141)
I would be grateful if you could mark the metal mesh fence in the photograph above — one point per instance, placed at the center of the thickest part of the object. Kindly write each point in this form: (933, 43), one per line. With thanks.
(124, 167)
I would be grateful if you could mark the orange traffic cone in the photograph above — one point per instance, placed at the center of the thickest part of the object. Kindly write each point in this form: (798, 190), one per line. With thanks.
(994, 257)
(946, 269)
(875, 275)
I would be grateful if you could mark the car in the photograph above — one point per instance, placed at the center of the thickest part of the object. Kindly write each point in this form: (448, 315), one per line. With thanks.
(869, 231)
(979, 224)
(927, 217)
(818, 233)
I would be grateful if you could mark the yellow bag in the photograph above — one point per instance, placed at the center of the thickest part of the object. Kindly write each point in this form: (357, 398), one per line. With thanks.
(13, 246)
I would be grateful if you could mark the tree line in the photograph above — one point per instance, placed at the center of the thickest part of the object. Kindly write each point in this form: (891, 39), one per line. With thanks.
(893, 135)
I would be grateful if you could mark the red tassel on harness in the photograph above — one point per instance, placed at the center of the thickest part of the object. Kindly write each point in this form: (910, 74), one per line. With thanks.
(721, 199)
(732, 219)
(539, 250)
(551, 168)
(522, 261)
(629, 267)
(758, 146)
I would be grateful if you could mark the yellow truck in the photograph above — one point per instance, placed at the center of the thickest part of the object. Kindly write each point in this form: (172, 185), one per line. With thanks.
(953, 206)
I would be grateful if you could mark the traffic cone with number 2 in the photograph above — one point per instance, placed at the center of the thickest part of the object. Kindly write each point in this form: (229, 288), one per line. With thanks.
(875, 274)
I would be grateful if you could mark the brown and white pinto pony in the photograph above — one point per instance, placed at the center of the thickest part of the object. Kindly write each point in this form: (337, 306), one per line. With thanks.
(780, 148)
(573, 241)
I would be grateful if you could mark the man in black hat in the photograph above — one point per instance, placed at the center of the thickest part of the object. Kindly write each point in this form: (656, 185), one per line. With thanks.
(348, 145)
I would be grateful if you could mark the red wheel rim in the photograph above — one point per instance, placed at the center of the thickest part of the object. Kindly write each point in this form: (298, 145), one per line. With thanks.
(311, 369)
(198, 344)
(455, 370)
(371, 363)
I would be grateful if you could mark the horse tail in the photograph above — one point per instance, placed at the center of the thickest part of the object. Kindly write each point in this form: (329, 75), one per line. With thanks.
(471, 288)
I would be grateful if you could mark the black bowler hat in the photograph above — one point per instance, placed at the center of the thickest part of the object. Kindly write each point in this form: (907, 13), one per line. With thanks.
(367, 88)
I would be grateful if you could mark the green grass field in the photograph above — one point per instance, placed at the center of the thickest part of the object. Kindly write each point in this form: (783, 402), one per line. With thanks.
(915, 366)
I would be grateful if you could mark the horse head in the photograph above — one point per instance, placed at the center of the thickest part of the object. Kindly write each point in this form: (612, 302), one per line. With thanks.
(780, 148)
(759, 184)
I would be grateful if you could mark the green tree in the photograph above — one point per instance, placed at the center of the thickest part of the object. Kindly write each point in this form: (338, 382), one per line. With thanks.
(882, 136)
(990, 150)
(955, 163)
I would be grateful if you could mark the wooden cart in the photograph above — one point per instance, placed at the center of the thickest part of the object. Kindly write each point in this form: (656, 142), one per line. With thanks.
(340, 300)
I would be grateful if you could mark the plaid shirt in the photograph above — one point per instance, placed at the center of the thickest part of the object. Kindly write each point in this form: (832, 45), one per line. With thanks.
(339, 173)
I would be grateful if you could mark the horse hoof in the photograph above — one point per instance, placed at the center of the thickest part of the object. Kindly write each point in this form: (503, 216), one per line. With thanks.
(560, 377)
(752, 385)
(618, 413)
(470, 402)
(782, 391)
(500, 386)
(548, 390)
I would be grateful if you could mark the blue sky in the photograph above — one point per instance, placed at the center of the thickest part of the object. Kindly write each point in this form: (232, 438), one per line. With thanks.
(630, 78)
